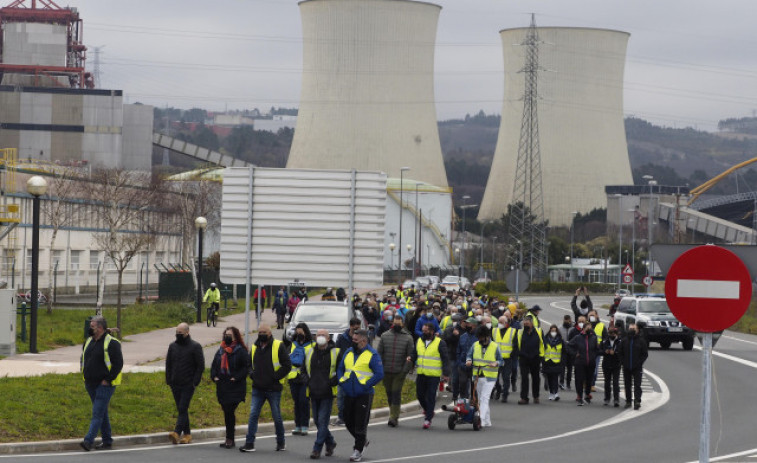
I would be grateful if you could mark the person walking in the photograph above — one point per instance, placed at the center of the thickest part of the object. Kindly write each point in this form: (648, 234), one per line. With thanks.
(396, 350)
(633, 352)
(529, 347)
(280, 308)
(185, 364)
(344, 342)
(229, 370)
(504, 335)
(600, 331)
(567, 366)
(269, 369)
(464, 371)
(583, 348)
(301, 343)
(359, 371)
(432, 365)
(611, 367)
(101, 365)
(320, 366)
(451, 337)
(553, 361)
(484, 358)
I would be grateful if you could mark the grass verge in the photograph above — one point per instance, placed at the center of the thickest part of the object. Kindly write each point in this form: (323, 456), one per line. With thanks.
(747, 323)
(65, 327)
(57, 406)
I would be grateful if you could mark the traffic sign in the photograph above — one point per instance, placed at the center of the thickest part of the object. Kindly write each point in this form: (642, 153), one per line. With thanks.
(628, 270)
(647, 280)
(627, 279)
(708, 288)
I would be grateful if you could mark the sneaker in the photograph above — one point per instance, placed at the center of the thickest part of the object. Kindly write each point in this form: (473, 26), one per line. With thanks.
(338, 422)
(426, 424)
(536, 400)
(616, 404)
(173, 437)
(247, 448)
(87, 446)
(330, 449)
(315, 455)
(562, 386)
(557, 397)
(281, 447)
(579, 398)
(551, 397)
(392, 423)
(636, 405)
(523, 402)
(593, 389)
(606, 403)
(356, 455)
(579, 402)
(515, 388)
(627, 405)
(104, 446)
(304, 431)
(503, 400)
(587, 400)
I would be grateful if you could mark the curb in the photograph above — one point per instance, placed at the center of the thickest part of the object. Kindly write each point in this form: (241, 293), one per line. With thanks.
(162, 438)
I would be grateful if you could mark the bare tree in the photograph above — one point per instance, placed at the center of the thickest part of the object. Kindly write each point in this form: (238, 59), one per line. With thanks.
(127, 202)
(56, 211)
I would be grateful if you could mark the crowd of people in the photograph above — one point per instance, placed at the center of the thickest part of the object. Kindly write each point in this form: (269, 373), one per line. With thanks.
(448, 339)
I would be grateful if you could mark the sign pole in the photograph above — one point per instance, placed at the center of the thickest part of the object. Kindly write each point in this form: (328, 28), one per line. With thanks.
(704, 422)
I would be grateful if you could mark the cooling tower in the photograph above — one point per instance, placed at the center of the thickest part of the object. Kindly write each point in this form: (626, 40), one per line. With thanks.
(367, 97)
(580, 113)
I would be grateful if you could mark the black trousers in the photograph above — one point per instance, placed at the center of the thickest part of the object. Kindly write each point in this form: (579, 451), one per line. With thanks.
(612, 382)
(463, 381)
(357, 412)
(182, 395)
(425, 391)
(230, 419)
(529, 367)
(552, 382)
(584, 374)
(567, 370)
(635, 376)
(503, 380)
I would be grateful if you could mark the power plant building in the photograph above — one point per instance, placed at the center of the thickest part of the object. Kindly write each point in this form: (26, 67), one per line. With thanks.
(367, 98)
(580, 114)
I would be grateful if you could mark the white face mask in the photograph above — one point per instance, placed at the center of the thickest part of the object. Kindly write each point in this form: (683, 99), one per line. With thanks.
(321, 340)
(592, 319)
(553, 334)
(500, 325)
(479, 317)
(580, 325)
(489, 325)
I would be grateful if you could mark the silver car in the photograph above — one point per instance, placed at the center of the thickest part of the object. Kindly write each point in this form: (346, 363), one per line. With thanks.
(331, 316)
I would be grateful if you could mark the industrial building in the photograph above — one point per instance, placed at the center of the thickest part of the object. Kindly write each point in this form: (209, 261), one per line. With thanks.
(367, 98)
(580, 121)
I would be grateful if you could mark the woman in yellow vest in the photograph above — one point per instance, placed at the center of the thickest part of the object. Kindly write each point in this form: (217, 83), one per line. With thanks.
(302, 343)
(553, 360)
(432, 365)
(485, 359)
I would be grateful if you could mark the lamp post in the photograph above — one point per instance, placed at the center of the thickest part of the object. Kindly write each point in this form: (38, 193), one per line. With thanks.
(399, 250)
(494, 250)
(391, 249)
(459, 266)
(633, 243)
(36, 186)
(650, 211)
(201, 223)
(462, 261)
(416, 230)
(572, 228)
(409, 248)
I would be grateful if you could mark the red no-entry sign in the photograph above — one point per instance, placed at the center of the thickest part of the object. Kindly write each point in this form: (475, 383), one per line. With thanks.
(708, 288)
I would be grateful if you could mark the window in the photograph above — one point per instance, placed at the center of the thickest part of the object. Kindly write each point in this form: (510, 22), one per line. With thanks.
(75, 257)
(94, 259)
(59, 258)
(28, 260)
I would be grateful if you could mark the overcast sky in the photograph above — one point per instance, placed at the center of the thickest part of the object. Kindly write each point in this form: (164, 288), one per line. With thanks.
(689, 63)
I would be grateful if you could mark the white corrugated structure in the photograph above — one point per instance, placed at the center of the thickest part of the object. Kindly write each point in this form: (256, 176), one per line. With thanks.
(367, 97)
(580, 109)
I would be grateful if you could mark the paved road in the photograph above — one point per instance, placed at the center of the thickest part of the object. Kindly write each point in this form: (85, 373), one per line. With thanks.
(665, 430)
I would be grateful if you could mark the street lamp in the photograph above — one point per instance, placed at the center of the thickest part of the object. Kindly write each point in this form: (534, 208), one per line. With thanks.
(201, 223)
(633, 241)
(35, 186)
(416, 230)
(391, 249)
(572, 228)
(459, 266)
(650, 211)
(399, 250)
(409, 248)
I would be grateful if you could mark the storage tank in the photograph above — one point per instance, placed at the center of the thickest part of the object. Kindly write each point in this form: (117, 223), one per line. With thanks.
(367, 97)
(580, 112)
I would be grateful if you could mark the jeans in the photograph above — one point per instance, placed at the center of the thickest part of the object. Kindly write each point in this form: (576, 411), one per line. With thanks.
(321, 416)
(612, 383)
(393, 385)
(301, 404)
(425, 391)
(182, 395)
(340, 404)
(567, 372)
(100, 396)
(503, 380)
(463, 381)
(628, 376)
(514, 374)
(258, 399)
(357, 412)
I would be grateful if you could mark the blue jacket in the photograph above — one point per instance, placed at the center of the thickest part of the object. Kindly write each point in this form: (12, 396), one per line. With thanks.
(352, 387)
(466, 342)
(344, 341)
(422, 321)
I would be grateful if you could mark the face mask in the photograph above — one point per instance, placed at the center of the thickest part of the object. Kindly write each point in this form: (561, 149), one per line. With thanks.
(397, 328)
(91, 332)
(459, 307)
(489, 325)
(429, 316)
(321, 340)
(468, 329)
(263, 338)
(592, 319)
(500, 326)
(580, 325)
(632, 331)
(228, 340)
(553, 334)
(427, 336)
(479, 317)
(300, 338)
(566, 324)
(483, 342)
(180, 338)
(355, 346)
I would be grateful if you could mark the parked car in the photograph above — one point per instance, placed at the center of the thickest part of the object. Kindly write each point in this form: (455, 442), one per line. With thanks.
(331, 316)
(655, 321)
(622, 293)
(423, 282)
(453, 283)
(434, 282)
(410, 284)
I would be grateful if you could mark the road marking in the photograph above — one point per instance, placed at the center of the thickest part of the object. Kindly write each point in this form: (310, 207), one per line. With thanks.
(708, 289)
(732, 455)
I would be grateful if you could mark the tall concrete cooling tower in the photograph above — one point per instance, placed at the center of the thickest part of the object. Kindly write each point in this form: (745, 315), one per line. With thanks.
(367, 88)
(580, 113)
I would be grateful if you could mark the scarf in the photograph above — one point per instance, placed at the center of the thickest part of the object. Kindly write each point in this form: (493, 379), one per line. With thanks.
(225, 357)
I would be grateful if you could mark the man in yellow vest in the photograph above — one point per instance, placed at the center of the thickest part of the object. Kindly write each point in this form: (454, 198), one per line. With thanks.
(101, 365)
(213, 295)
(504, 335)
(485, 359)
(270, 367)
(600, 330)
(359, 371)
(320, 364)
(432, 364)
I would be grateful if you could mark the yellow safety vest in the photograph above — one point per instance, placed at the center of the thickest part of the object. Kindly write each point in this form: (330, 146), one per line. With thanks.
(429, 359)
(274, 354)
(541, 344)
(553, 354)
(505, 342)
(361, 367)
(534, 320)
(383, 305)
(106, 343)
(445, 322)
(598, 328)
(332, 369)
(213, 294)
(483, 360)
(296, 370)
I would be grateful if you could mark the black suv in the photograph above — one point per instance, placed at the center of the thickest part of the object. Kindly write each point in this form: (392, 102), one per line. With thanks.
(654, 320)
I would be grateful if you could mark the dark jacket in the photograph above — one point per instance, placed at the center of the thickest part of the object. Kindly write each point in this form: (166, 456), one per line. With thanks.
(263, 376)
(466, 341)
(610, 361)
(443, 353)
(394, 349)
(185, 363)
(452, 340)
(633, 352)
(93, 364)
(319, 382)
(370, 314)
(529, 346)
(344, 341)
(352, 387)
(578, 311)
(280, 305)
(228, 391)
(583, 348)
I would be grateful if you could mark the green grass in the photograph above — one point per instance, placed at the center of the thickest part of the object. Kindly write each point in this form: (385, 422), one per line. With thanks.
(58, 407)
(747, 323)
(65, 327)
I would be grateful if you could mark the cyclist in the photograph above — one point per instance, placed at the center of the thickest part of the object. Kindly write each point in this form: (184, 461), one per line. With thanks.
(214, 295)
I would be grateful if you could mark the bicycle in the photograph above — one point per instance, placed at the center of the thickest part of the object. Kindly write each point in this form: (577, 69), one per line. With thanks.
(212, 316)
